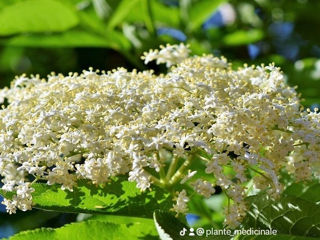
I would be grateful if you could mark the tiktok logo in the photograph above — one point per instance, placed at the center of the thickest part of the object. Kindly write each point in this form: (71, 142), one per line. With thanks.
(183, 232)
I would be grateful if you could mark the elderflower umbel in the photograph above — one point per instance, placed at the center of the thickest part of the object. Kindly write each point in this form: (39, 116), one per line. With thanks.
(96, 126)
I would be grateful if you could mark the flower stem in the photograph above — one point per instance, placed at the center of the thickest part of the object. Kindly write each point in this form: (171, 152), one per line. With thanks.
(180, 171)
(162, 174)
(154, 180)
(299, 144)
(281, 130)
(172, 168)
(203, 158)
(263, 175)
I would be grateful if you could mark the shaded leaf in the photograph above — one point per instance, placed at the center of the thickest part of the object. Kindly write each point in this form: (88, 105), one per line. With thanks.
(275, 237)
(295, 214)
(170, 228)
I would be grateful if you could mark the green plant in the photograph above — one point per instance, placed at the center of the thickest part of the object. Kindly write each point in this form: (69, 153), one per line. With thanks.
(130, 143)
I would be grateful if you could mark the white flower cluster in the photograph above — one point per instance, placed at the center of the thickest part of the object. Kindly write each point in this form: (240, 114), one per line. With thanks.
(238, 123)
(181, 205)
(170, 55)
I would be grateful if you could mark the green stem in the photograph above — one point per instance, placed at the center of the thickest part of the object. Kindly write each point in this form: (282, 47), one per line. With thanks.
(260, 173)
(281, 130)
(181, 171)
(162, 174)
(183, 89)
(172, 168)
(154, 180)
(249, 186)
(35, 180)
(300, 144)
(203, 158)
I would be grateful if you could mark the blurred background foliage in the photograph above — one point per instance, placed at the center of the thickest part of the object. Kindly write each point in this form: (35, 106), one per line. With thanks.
(41, 36)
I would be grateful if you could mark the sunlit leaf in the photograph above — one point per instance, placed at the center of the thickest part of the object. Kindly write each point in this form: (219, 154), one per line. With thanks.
(242, 37)
(201, 10)
(111, 229)
(36, 16)
(72, 38)
(118, 197)
(123, 9)
(162, 15)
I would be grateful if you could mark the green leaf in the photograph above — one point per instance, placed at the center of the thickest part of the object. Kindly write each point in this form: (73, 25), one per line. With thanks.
(146, 6)
(124, 8)
(198, 47)
(111, 229)
(72, 38)
(92, 24)
(146, 12)
(295, 214)
(36, 16)
(118, 197)
(242, 37)
(6, 194)
(40, 233)
(200, 11)
(162, 14)
(275, 237)
(32, 220)
(168, 226)
(168, 15)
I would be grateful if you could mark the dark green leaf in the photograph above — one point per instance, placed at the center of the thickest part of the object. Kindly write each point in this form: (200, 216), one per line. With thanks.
(170, 228)
(295, 214)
